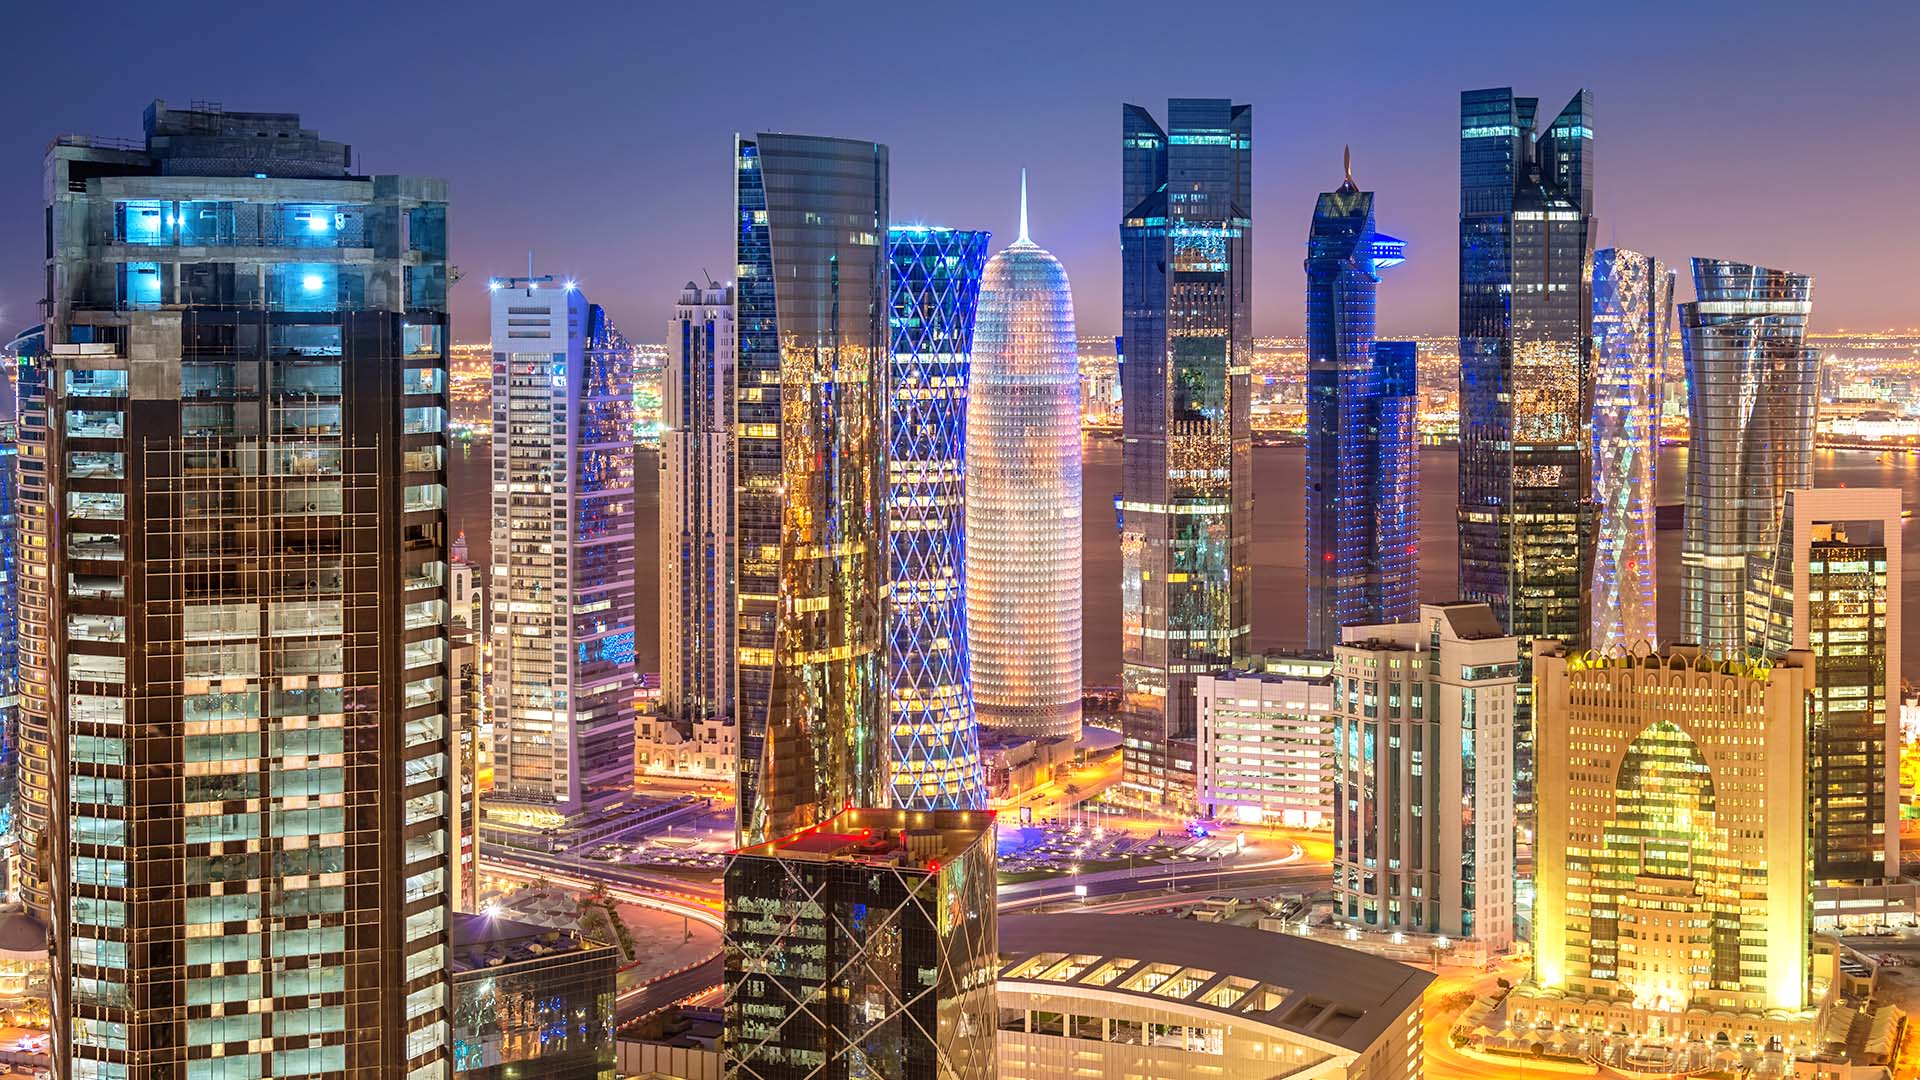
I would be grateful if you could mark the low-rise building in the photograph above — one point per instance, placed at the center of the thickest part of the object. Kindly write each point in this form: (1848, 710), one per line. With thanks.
(530, 1001)
(700, 749)
(1111, 997)
(1266, 744)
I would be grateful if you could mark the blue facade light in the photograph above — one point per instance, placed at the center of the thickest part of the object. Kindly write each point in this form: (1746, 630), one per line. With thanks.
(1362, 499)
(312, 282)
(933, 738)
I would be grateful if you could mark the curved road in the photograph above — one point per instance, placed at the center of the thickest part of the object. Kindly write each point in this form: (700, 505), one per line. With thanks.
(1145, 888)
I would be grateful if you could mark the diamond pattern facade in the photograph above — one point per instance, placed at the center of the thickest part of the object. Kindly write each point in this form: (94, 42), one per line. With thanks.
(864, 947)
(933, 740)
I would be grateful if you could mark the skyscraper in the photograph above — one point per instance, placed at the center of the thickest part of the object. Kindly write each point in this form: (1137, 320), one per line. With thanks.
(810, 503)
(563, 540)
(1423, 798)
(1023, 495)
(241, 648)
(1632, 318)
(1833, 588)
(933, 739)
(1671, 863)
(698, 601)
(1752, 391)
(1186, 506)
(864, 947)
(24, 347)
(1362, 552)
(32, 734)
(1526, 267)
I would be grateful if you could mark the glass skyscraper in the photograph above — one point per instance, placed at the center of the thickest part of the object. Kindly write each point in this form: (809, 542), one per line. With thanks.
(1526, 273)
(563, 548)
(864, 947)
(933, 738)
(239, 652)
(1023, 496)
(1186, 502)
(1362, 497)
(1632, 319)
(698, 602)
(810, 503)
(1833, 587)
(1752, 390)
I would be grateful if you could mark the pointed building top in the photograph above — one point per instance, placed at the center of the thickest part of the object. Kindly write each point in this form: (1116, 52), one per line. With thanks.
(1346, 163)
(1023, 239)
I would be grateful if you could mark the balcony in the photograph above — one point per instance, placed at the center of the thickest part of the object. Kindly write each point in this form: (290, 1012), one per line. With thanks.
(425, 692)
(95, 587)
(424, 497)
(95, 424)
(88, 545)
(96, 465)
(112, 628)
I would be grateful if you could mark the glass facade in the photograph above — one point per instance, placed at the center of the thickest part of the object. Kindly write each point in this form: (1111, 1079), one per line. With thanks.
(529, 1001)
(1752, 389)
(21, 349)
(1632, 320)
(242, 674)
(933, 739)
(1526, 268)
(811, 384)
(1833, 588)
(698, 601)
(1362, 553)
(1023, 496)
(1186, 501)
(563, 545)
(864, 948)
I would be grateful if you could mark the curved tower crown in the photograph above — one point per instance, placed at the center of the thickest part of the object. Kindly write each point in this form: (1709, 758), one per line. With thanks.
(1023, 495)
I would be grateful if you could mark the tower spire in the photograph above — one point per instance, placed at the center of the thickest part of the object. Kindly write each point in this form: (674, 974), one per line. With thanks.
(1023, 208)
(1346, 160)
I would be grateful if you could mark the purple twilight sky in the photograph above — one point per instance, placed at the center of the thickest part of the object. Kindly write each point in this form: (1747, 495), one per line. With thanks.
(601, 135)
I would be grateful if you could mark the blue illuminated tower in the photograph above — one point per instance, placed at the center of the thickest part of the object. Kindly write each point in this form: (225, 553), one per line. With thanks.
(1526, 388)
(933, 739)
(1362, 475)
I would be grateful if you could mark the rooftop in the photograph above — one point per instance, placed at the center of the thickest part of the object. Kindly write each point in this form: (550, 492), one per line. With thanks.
(485, 941)
(920, 839)
(1311, 988)
(1470, 620)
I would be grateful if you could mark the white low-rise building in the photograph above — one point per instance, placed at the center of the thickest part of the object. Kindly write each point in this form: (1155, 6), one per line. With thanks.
(1112, 997)
(1266, 744)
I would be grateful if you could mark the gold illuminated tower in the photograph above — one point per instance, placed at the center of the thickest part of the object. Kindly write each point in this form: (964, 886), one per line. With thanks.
(1671, 869)
(810, 500)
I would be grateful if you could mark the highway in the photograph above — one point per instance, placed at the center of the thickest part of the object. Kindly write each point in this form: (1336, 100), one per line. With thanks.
(1145, 888)
(628, 886)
